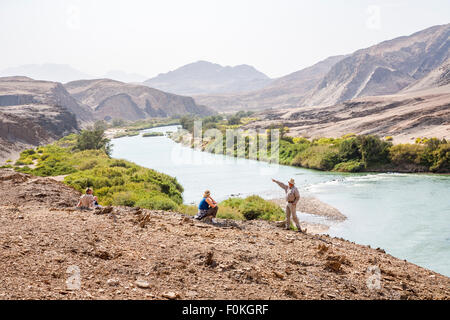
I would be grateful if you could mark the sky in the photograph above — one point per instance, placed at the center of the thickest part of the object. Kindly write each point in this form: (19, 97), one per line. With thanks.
(277, 37)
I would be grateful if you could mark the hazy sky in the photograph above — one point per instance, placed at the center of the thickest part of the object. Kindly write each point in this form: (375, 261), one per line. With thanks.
(149, 37)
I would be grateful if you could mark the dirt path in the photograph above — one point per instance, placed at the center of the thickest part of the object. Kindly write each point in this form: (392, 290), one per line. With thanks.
(143, 254)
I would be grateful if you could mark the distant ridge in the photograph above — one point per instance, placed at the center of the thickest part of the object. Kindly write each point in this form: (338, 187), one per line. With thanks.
(111, 99)
(203, 77)
(49, 71)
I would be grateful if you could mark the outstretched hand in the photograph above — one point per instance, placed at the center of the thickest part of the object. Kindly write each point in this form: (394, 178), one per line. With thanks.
(273, 180)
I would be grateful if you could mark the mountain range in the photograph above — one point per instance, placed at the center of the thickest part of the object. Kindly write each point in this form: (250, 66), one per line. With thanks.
(203, 77)
(65, 73)
(385, 68)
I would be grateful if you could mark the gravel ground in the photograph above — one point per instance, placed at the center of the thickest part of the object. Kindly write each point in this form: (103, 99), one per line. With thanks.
(51, 251)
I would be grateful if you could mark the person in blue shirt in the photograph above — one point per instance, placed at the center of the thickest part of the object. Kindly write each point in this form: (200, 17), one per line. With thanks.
(207, 208)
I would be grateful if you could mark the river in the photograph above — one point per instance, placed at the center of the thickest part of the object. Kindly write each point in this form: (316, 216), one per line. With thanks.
(408, 215)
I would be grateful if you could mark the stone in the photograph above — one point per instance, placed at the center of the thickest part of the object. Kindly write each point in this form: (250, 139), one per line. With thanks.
(171, 295)
(142, 284)
(113, 282)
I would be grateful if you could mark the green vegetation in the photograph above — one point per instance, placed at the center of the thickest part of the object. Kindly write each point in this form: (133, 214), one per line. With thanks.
(364, 153)
(143, 124)
(250, 208)
(126, 133)
(153, 134)
(217, 121)
(132, 129)
(115, 182)
(350, 153)
(93, 139)
(433, 154)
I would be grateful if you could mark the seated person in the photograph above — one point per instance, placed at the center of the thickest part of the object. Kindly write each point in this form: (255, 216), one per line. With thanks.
(86, 200)
(207, 209)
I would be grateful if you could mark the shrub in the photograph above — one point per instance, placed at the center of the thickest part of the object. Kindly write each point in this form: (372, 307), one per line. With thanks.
(300, 140)
(441, 161)
(124, 198)
(250, 208)
(153, 134)
(406, 153)
(87, 165)
(349, 150)
(349, 166)
(322, 157)
(190, 210)
(158, 202)
(373, 150)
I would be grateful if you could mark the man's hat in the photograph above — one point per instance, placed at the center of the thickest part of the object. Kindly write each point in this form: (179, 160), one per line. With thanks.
(292, 181)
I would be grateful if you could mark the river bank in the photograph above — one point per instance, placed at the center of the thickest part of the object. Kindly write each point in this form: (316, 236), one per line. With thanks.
(350, 153)
(393, 211)
(119, 257)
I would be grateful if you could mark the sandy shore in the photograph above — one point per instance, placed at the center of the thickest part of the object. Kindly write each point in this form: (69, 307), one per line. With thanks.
(111, 133)
(311, 205)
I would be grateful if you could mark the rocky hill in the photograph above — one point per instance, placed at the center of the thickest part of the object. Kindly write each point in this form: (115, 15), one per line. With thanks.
(404, 116)
(283, 92)
(36, 112)
(385, 68)
(110, 99)
(436, 78)
(204, 77)
(409, 62)
(130, 253)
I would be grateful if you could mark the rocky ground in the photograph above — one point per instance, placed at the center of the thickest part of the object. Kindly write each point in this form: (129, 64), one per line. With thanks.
(129, 253)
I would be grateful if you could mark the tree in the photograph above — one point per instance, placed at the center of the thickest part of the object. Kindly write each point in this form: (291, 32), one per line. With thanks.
(373, 149)
(234, 120)
(94, 139)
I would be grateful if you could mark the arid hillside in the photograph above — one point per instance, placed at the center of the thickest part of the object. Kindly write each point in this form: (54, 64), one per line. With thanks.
(36, 112)
(413, 62)
(110, 99)
(283, 92)
(51, 251)
(405, 116)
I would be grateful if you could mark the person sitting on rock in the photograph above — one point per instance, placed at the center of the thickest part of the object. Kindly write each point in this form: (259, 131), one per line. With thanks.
(207, 209)
(86, 200)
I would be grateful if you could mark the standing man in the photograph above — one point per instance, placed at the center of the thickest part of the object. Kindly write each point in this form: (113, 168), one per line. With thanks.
(292, 197)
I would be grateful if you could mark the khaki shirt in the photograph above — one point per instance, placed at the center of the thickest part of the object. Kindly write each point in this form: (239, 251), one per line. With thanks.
(292, 194)
(86, 200)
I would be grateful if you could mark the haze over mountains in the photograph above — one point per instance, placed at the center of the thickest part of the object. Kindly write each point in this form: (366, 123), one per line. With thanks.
(399, 87)
(65, 73)
(204, 77)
